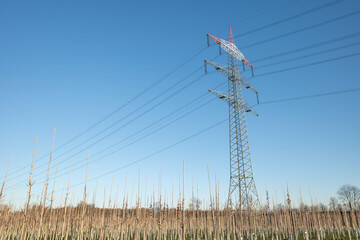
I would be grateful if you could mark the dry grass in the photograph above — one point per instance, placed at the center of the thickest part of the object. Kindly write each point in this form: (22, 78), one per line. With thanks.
(89, 222)
(155, 220)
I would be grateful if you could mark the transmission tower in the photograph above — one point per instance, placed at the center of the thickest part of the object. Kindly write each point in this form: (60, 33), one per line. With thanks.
(241, 175)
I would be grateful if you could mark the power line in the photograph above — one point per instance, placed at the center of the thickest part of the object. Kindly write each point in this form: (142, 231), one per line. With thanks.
(152, 154)
(262, 103)
(212, 126)
(141, 137)
(307, 47)
(122, 147)
(302, 29)
(246, 33)
(310, 55)
(265, 12)
(316, 25)
(125, 117)
(310, 96)
(180, 66)
(318, 95)
(216, 124)
(193, 56)
(108, 116)
(127, 123)
(138, 109)
(130, 121)
(324, 61)
(309, 64)
(164, 149)
(121, 107)
(199, 68)
(290, 18)
(278, 71)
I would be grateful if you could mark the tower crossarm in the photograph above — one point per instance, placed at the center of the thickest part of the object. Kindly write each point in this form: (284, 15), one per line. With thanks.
(230, 48)
(229, 99)
(227, 71)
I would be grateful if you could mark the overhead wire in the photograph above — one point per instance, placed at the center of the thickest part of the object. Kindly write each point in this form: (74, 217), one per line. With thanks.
(278, 22)
(282, 70)
(258, 75)
(134, 98)
(141, 137)
(184, 63)
(307, 28)
(127, 116)
(300, 30)
(125, 124)
(265, 12)
(259, 29)
(309, 55)
(290, 18)
(309, 64)
(209, 128)
(310, 96)
(130, 121)
(150, 155)
(323, 43)
(324, 94)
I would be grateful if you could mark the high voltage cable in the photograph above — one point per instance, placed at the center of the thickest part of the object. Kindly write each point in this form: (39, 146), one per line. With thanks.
(114, 131)
(310, 96)
(212, 126)
(301, 66)
(309, 55)
(153, 154)
(285, 100)
(181, 65)
(286, 19)
(306, 47)
(129, 122)
(309, 64)
(156, 97)
(131, 143)
(218, 123)
(122, 147)
(314, 63)
(200, 51)
(194, 57)
(197, 70)
(278, 71)
(290, 18)
(301, 29)
(148, 134)
(139, 108)
(262, 28)
(118, 121)
(121, 107)
(265, 12)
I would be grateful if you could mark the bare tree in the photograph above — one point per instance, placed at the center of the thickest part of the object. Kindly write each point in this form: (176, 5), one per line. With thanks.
(323, 207)
(333, 203)
(194, 203)
(349, 195)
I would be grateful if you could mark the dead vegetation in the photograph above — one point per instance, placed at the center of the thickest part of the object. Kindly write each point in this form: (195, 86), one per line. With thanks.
(156, 220)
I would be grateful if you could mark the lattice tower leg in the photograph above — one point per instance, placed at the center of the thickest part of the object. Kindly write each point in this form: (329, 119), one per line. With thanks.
(241, 175)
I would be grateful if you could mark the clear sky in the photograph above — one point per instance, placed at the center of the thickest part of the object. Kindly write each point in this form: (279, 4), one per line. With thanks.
(70, 64)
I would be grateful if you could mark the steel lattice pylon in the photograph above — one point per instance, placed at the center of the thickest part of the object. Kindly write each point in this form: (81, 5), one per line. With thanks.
(241, 174)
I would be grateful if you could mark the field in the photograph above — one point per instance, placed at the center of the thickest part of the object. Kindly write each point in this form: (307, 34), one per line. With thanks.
(114, 220)
(154, 219)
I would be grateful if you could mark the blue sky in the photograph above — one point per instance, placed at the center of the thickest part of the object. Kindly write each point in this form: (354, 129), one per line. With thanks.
(70, 64)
